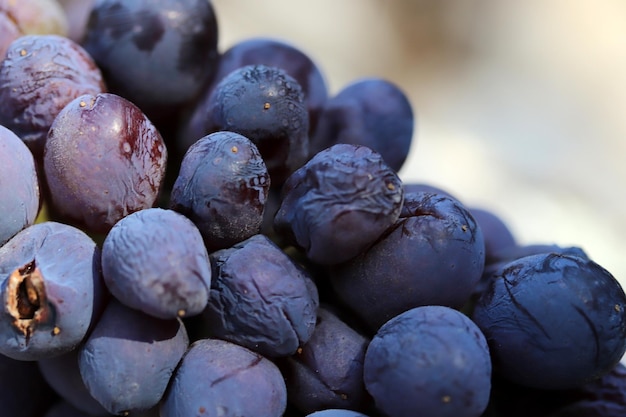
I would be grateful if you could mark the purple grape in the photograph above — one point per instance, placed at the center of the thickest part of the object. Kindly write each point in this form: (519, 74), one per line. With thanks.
(23, 390)
(63, 376)
(220, 378)
(222, 186)
(429, 361)
(51, 290)
(19, 186)
(38, 77)
(129, 358)
(103, 160)
(553, 321)
(373, 112)
(327, 371)
(154, 260)
(434, 254)
(339, 203)
(260, 51)
(179, 37)
(260, 298)
(267, 106)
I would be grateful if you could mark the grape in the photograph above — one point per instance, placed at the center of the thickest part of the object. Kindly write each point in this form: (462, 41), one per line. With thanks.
(327, 371)
(154, 260)
(38, 77)
(220, 378)
(51, 290)
(179, 37)
(23, 390)
(103, 160)
(496, 233)
(260, 298)
(430, 360)
(433, 254)
(335, 413)
(63, 375)
(128, 359)
(339, 203)
(260, 51)
(267, 106)
(222, 186)
(19, 186)
(553, 321)
(372, 112)
(65, 409)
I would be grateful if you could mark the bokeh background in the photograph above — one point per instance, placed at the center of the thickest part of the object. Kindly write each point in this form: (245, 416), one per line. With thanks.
(519, 104)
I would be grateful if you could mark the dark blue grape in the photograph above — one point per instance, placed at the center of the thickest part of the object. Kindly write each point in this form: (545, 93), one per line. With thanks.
(219, 378)
(429, 361)
(420, 187)
(261, 51)
(339, 203)
(497, 234)
(372, 112)
(65, 409)
(172, 45)
(335, 412)
(63, 376)
(222, 186)
(129, 358)
(103, 160)
(327, 371)
(260, 298)
(154, 260)
(51, 290)
(509, 253)
(38, 77)
(434, 254)
(267, 106)
(553, 321)
(19, 186)
(23, 390)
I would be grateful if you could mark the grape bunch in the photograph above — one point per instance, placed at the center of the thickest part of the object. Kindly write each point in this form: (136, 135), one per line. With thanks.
(189, 231)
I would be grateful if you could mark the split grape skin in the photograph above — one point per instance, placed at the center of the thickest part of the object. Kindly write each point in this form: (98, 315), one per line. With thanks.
(217, 377)
(103, 160)
(337, 204)
(429, 361)
(260, 51)
(179, 37)
(38, 77)
(129, 358)
(433, 254)
(327, 371)
(52, 290)
(553, 321)
(372, 112)
(154, 260)
(267, 106)
(222, 186)
(260, 298)
(20, 196)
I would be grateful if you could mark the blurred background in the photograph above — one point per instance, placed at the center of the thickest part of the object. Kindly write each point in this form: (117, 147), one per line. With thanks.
(520, 105)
